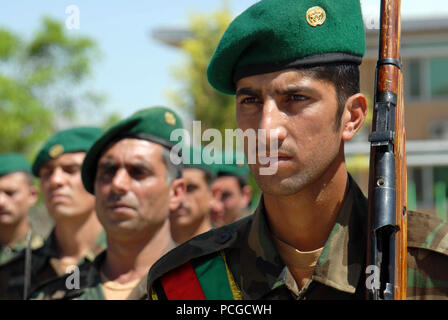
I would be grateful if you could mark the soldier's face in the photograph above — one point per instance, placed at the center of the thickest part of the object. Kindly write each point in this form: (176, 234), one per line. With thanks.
(196, 206)
(229, 201)
(17, 196)
(130, 188)
(300, 113)
(63, 191)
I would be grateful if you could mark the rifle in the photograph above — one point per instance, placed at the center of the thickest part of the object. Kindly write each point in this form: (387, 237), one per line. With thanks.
(387, 206)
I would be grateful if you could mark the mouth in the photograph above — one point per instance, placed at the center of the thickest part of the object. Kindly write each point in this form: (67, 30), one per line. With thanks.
(59, 197)
(120, 207)
(274, 158)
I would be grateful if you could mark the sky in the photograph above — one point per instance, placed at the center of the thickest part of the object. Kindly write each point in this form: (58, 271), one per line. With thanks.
(135, 69)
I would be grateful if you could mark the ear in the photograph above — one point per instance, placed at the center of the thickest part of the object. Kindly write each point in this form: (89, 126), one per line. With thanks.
(247, 193)
(178, 193)
(33, 196)
(354, 115)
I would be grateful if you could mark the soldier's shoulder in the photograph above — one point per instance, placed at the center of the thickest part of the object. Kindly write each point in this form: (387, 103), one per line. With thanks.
(203, 245)
(67, 286)
(427, 231)
(427, 258)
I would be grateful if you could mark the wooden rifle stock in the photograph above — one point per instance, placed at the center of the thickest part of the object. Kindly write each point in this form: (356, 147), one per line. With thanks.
(387, 227)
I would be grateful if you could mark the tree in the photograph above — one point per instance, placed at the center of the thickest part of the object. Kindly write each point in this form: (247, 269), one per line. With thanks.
(197, 96)
(214, 109)
(40, 84)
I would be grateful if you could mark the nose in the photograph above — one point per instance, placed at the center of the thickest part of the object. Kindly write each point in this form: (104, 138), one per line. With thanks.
(216, 204)
(2, 199)
(56, 178)
(121, 181)
(272, 125)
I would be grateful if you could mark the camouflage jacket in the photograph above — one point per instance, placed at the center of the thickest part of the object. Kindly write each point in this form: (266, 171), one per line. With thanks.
(12, 274)
(90, 284)
(258, 272)
(9, 252)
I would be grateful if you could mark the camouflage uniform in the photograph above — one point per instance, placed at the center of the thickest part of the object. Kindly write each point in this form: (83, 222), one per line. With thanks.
(7, 253)
(12, 274)
(260, 273)
(90, 284)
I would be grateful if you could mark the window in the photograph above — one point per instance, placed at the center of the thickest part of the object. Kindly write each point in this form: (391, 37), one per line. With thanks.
(426, 78)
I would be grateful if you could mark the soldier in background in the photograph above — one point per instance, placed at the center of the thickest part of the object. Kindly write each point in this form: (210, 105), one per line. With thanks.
(231, 193)
(17, 196)
(192, 217)
(130, 172)
(77, 235)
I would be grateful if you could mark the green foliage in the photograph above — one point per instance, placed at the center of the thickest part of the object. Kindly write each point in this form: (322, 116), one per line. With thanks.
(25, 121)
(197, 96)
(110, 120)
(41, 84)
(214, 109)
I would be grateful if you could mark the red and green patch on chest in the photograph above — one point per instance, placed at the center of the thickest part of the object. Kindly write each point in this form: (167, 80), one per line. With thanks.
(208, 278)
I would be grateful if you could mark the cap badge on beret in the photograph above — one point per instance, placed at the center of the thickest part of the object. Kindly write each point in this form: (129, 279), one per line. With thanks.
(56, 150)
(170, 119)
(315, 16)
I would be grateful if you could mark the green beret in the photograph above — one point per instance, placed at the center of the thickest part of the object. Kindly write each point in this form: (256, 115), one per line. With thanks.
(273, 35)
(65, 141)
(13, 162)
(196, 158)
(233, 164)
(154, 124)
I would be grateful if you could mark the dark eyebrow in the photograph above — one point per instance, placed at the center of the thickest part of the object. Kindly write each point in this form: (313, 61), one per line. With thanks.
(140, 166)
(293, 89)
(248, 92)
(107, 163)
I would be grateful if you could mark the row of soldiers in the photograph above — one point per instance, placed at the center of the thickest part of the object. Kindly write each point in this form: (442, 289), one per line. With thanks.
(116, 214)
(293, 66)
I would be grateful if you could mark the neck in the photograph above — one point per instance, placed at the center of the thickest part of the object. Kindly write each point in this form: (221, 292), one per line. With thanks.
(184, 233)
(304, 220)
(131, 259)
(11, 234)
(75, 237)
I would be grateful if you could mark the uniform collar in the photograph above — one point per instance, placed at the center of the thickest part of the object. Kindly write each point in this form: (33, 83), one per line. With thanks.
(339, 265)
(49, 248)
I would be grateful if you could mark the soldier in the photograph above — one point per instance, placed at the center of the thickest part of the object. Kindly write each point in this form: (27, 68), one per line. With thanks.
(192, 217)
(77, 235)
(231, 193)
(136, 185)
(297, 77)
(17, 196)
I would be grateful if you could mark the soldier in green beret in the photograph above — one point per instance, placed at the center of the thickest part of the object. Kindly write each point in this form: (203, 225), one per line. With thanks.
(293, 67)
(77, 235)
(231, 193)
(192, 217)
(130, 172)
(17, 196)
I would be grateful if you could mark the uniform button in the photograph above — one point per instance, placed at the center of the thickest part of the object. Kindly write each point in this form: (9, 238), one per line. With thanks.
(223, 237)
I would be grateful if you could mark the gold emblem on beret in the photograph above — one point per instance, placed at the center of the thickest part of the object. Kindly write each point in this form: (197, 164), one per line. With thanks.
(170, 119)
(315, 16)
(56, 150)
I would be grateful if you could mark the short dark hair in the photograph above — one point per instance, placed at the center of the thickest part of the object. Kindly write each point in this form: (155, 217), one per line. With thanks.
(242, 180)
(173, 171)
(344, 77)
